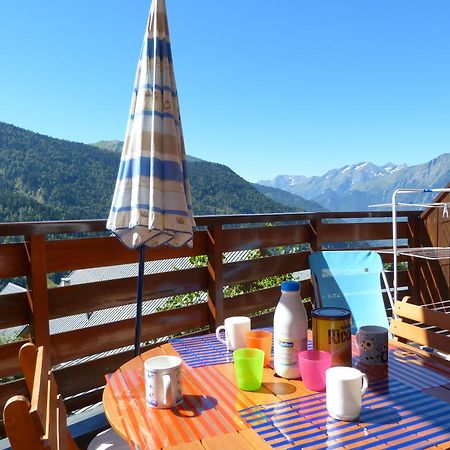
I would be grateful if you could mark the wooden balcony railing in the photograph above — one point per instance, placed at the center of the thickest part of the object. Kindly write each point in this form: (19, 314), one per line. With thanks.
(54, 247)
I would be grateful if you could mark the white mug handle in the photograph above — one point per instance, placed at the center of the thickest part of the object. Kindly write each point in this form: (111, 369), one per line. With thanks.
(218, 330)
(167, 390)
(365, 383)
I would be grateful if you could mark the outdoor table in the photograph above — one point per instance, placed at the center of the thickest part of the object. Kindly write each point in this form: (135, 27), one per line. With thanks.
(407, 406)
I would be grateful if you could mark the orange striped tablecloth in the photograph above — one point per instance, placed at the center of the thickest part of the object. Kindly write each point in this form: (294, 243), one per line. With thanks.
(210, 408)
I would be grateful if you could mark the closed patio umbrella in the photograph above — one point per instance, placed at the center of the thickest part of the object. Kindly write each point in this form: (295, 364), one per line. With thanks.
(152, 204)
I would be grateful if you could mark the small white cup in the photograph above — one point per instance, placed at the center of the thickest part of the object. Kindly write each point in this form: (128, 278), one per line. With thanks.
(345, 389)
(235, 329)
(163, 383)
(372, 342)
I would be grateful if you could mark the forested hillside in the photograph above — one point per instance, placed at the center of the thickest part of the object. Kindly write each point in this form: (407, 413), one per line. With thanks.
(216, 189)
(48, 178)
(44, 178)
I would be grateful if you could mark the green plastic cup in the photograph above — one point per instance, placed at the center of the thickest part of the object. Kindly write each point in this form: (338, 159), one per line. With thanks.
(248, 366)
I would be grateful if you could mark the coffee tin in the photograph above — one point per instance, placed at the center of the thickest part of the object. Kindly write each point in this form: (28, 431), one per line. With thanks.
(332, 333)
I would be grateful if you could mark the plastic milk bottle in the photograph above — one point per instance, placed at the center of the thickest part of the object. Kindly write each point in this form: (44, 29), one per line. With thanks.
(290, 326)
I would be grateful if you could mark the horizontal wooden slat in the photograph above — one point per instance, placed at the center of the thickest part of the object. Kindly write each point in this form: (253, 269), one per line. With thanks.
(251, 302)
(119, 334)
(402, 278)
(97, 252)
(14, 310)
(263, 320)
(255, 269)
(64, 301)
(420, 335)
(9, 357)
(75, 254)
(85, 399)
(73, 379)
(339, 232)
(422, 315)
(263, 237)
(52, 227)
(13, 261)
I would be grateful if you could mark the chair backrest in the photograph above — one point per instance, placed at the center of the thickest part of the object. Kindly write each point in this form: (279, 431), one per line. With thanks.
(350, 279)
(423, 326)
(40, 423)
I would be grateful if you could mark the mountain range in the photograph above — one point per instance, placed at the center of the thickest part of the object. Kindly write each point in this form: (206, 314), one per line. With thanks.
(355, 187)
(43, 178)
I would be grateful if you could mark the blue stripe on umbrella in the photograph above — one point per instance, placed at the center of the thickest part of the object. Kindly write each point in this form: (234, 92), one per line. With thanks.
(163, 49)
(164, 170)
(148, 112)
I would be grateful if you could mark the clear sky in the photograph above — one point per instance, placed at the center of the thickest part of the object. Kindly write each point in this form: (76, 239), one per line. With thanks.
(267, 87)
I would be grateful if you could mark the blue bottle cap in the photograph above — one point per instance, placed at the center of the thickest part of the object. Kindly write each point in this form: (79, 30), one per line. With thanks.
(290, 286)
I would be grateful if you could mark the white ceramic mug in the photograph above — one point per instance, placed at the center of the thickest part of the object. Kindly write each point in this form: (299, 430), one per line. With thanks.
(163, 384)
(345, 389)
(235, 328)
(372, 342)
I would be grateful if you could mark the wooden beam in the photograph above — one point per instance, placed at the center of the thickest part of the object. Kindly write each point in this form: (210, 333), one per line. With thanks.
(420, 335)
(39, 295)
(422, 315)
(215, 276)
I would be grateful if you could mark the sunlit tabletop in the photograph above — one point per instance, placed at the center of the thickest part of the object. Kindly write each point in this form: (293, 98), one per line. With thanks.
(406, 406)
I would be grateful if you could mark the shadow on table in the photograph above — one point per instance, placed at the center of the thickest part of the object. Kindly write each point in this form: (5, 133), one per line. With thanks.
(194, 405)
(280, 388)
(383, 415)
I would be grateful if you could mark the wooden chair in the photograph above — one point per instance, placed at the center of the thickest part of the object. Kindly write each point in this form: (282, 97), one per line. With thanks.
(42, 422)
(422, 326)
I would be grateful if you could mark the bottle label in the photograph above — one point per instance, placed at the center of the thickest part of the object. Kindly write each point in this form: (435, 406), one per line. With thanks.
(288, 350)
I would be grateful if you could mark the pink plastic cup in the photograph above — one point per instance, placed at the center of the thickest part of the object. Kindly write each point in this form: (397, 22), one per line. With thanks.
(313, 365)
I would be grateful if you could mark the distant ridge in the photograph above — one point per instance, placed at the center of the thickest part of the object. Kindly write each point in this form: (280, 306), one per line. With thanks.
(112, 146)
(288, 198)
(355, 187)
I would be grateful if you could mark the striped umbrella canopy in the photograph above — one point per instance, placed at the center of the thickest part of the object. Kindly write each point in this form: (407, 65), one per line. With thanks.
(152, 203)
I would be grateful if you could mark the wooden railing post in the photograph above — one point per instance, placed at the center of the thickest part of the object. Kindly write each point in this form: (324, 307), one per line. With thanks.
(215, 276)
(414, 225)
(316, 224)
(37, 282)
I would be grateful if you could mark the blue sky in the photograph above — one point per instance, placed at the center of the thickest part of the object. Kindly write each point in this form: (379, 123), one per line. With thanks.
(267, 87)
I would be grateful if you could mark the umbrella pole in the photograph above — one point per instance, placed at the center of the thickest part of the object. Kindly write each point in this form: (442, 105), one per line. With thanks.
(140, 286)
